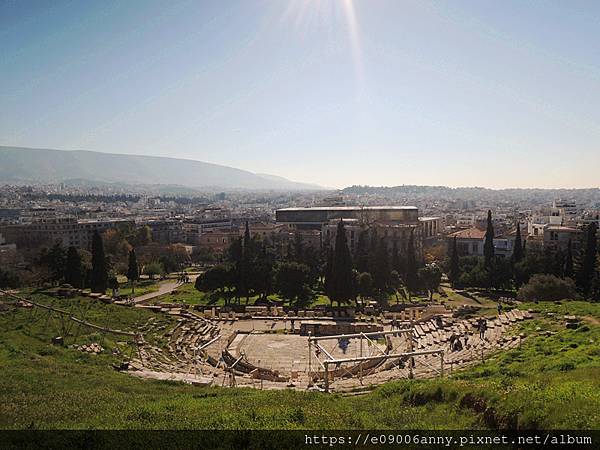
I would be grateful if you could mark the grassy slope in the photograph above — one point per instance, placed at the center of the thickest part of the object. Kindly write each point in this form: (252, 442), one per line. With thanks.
(552, 382)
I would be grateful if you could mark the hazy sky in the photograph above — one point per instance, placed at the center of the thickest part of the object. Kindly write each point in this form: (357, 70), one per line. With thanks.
(336, 92)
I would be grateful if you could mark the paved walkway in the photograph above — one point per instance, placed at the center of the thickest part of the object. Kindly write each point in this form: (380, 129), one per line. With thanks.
(163, 288)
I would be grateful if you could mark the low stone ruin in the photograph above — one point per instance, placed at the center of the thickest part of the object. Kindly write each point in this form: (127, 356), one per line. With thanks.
(93, 348)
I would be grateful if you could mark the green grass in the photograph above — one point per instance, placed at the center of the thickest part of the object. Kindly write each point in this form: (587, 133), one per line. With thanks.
(141, 287)
(188, 294)
(550, 382)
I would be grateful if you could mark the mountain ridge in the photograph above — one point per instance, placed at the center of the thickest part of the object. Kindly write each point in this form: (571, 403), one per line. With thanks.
(25, 165)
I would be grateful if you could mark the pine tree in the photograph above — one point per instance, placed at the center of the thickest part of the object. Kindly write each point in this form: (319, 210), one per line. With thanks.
(568, 270)
(518, 246)
(454, 272)
(488, 245)
(99, 274)
(342, 288)
(74, 268)
(133, 270)
(587, 266)
(412, 281)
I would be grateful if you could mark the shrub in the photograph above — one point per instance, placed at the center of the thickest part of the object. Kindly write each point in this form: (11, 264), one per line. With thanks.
(547, 287)
(9, 279)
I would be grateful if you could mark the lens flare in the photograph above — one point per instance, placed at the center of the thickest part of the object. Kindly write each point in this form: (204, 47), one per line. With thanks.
(304, 13)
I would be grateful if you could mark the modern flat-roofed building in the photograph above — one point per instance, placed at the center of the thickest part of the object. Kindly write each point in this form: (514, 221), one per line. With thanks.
(557, 236)
(392, 234)
(315, 217)
(395, 224)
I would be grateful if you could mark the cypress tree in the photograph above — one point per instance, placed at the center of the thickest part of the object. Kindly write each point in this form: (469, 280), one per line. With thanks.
(518, 246)
(396, 263)
(342, 277)
(373, 246)
(568, 270)
(246, 263)
(362, 251)
(587, 265)
(299, 249)
(454, 271)
(99, 274)
(247, 236)
(488, 245)
(328, 274)
(74, 268)
(133, 270)
(560, 260)
(381, 277)
(412, 281)
(236, 256)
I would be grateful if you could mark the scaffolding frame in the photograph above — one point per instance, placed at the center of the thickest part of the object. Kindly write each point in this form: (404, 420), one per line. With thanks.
(313, 341)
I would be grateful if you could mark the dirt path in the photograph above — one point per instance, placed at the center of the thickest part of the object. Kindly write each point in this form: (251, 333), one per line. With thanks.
(592, 320)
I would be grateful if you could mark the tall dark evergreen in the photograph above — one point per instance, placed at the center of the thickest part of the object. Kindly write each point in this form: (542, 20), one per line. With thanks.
(559, 260)
(74, 274)
(396, 261)
(518, 246)
(247, 236)
(99, 273)
(587, 266)
(568, 270)
(55, 260)
(382, 275)
(454, 272)
(299, 248)
(328, 274)
(263, 273)
(342, 288)
(488, 245)
(362, 251)
(133, 269)
(247, 263)
(412, 280)
(373, 246)
(236, 257)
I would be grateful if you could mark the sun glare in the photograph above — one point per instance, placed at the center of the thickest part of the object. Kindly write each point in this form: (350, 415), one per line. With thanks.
(305, 13)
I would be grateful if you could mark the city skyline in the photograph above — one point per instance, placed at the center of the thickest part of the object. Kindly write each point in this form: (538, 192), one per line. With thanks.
(335, 93)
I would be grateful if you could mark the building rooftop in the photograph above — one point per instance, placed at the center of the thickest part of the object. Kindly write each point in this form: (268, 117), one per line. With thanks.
(470, 233)
(563, 228)
(350, 208)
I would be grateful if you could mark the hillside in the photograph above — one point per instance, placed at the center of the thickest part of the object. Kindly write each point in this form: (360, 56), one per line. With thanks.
(551, 382)
(20, 165)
